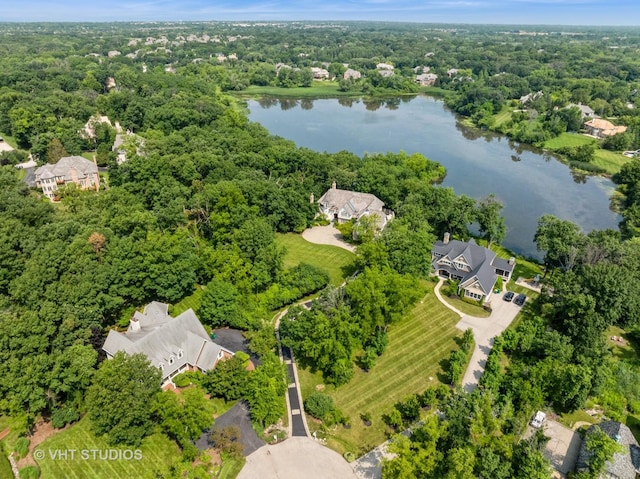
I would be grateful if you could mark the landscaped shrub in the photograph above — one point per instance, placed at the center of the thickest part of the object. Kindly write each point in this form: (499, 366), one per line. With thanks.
(22, 446)
(319, 405)
(181, 380)
(30, 472)
(64, 415)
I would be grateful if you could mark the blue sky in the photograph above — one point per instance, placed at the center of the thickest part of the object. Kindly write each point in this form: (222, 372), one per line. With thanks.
(551, 12)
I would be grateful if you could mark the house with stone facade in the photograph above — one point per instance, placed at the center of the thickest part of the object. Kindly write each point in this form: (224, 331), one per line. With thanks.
(345, 205)
(475, 267)
(70, 169)
(173, 345)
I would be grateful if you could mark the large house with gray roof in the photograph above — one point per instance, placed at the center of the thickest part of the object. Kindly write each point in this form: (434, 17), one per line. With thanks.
(475, 267)
(173, 345)
(70, 169)
(624, 464)
(344, 205)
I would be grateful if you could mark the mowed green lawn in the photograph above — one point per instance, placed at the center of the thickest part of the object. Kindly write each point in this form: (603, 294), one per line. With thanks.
(568, 139)
(410, 364)
(158, 453)
(335, 261)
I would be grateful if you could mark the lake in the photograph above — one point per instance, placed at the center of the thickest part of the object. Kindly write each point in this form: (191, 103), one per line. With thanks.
(528, 182)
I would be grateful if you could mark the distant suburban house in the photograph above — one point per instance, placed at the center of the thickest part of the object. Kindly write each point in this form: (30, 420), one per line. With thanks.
(623, 465)
(585, 110)
(452, 72)
(477, 268)
(70, 169)
(345, 205)
(173, 345)
(602, 128)
(319, 73)
(531, 96)
(385, 69)
(426, 79)
(352, 74)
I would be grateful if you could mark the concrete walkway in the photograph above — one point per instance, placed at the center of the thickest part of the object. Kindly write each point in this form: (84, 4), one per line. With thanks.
(327, 235)
(484, 332)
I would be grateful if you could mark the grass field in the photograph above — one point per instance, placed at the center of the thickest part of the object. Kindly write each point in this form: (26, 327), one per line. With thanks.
(335, 261)
(316, 90)
(412, 361)
(158, 453)
(568, 139)
(502, 117)
(610, 161)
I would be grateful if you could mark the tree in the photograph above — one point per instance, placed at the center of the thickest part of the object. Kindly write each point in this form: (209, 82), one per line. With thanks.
(561, 241)
(491, 222)
(120, 400)
(55, 151)
(184, 416)
(219, 306)
(229, 379)
(600, 448)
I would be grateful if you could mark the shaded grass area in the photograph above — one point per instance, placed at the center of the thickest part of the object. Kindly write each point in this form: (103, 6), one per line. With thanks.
(5, 466)
(231, 467)
(158, 453)
(570, 419)
(467, 308)
(336, 261)
(192, 302)
(418, 347)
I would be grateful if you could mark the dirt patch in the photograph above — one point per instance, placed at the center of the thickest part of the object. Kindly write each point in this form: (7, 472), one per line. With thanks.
(4, 433)
(41, 432)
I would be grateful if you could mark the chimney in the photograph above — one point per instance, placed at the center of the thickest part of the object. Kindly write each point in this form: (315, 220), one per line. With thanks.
(134, 325)
(97, 174)
(333, 185)
(312, 199)
(74, 174)
(512, 261)
(445, 240)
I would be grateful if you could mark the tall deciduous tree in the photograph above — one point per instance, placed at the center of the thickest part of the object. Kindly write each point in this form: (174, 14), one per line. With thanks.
(491, 222)
(120, 399)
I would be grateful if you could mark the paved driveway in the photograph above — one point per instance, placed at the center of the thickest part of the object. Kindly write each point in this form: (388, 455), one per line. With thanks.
(484, 331)
(326, 235)
(296, 458)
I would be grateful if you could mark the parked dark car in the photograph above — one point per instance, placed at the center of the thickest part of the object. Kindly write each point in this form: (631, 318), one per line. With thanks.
(520, 299)
(508, 296)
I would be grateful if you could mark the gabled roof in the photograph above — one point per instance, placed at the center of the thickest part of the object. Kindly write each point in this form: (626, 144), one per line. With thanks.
(84, 168)
(623, 465)
(482, 262)
(160, 337)
(353, 203)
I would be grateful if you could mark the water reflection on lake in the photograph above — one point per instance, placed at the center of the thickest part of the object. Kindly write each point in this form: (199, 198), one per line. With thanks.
(530, 183)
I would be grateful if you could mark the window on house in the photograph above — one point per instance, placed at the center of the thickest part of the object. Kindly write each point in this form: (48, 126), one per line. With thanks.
(180, 354)
(171, 359)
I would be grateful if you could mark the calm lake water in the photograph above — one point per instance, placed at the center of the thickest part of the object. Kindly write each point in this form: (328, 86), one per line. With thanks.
(528, 182)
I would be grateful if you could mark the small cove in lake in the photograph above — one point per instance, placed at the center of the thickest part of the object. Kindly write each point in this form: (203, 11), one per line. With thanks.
(529, 183)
